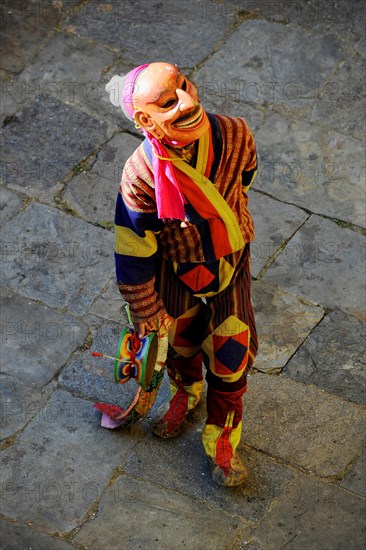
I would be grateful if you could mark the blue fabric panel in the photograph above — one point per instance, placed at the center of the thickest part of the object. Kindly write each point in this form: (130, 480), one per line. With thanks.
(137, 221)
(133, 271)
(204, 231)
(217, 144)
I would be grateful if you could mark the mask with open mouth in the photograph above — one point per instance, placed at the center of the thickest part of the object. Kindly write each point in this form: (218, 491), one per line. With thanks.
(167, 106)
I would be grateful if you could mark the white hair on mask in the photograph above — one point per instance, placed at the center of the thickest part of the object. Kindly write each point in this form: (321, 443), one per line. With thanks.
(115, 88)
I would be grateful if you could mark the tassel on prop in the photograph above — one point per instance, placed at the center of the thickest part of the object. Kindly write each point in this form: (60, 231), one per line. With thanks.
(113, 416)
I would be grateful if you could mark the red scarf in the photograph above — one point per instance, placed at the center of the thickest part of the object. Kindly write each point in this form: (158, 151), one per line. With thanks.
(170, 200)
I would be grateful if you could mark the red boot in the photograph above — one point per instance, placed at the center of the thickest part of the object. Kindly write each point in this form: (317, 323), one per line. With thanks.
(183, 399)
(222, 433)
(220, 446)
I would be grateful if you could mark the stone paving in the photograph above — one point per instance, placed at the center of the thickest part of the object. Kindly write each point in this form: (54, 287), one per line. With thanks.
(295, 71)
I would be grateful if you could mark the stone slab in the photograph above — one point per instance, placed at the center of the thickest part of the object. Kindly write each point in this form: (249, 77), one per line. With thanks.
(66, 56)
(92, 194)
(56, 258)
(360, 46)
(20, 402)
(110, 304)
(25, 28)
(93, 377)
(355, 480)
(326, 264)
(347, 18)
(303, 425)
(16, 537)
(318, 169)
(274, 223)
(60, 465)
(53, 138)
(310, 515)
(341, 101)
(283, 322)
(145, 33)
(333, 357)
(9, 102)
(242, 542)
(224, 106)
(327, 17)
(220, 93)
(252, 66)
(35, 340)
(72, 70)
(10, 204)
(181, 465)
(155, 518)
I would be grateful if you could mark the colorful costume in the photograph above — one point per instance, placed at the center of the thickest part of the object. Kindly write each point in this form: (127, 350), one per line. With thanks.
(166, 266)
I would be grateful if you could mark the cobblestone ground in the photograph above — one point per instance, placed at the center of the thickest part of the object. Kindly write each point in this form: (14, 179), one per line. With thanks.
(295, 71)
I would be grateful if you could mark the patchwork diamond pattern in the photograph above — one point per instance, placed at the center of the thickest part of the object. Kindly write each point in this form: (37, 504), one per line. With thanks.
(230, 353)
(188, 331)
(197, 278)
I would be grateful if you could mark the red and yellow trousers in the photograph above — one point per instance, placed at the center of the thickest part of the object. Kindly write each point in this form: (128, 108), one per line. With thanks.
(219, 332)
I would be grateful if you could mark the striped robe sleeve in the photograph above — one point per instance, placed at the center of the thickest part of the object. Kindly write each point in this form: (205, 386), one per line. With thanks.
(136, 228)
(250, 169)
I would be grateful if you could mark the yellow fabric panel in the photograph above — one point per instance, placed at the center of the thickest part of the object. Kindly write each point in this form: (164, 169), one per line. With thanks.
(194, 393)
(202, 154)
(235, 436)
(212, 194)
(128, 243)
(211, 435)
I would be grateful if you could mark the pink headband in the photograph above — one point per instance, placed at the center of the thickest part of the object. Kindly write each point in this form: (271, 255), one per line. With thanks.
(128, 89)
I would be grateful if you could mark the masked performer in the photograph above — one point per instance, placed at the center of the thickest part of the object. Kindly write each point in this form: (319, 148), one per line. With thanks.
(183, 233)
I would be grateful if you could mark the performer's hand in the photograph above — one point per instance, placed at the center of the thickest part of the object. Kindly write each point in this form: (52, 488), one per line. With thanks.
(165, 324)
(161, 325)
(143, 328)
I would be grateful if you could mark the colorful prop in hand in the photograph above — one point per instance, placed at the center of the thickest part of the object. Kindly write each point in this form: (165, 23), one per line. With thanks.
(136, 357)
